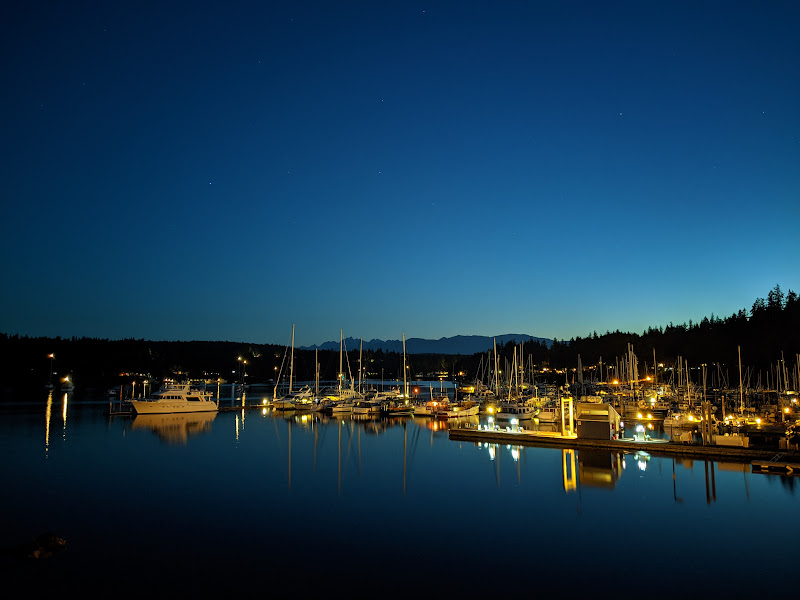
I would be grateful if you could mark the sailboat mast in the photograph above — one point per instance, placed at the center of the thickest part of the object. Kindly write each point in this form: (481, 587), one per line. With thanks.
(741, 392)
(405, 380)
(341, 340)
(360, 368)
(291, 362)
(496, 388)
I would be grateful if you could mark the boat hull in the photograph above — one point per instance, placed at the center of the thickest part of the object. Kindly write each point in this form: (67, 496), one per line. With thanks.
(162, 407)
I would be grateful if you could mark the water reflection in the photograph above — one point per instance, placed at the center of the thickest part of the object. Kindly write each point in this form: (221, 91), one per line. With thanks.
(64, 403)
(599, 469)
(48, 410)
(175, 428)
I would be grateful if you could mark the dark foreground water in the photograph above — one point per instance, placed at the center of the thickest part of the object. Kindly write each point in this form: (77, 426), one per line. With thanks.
(262, 502)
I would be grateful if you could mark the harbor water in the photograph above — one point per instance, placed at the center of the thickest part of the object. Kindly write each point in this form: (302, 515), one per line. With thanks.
(254, 500)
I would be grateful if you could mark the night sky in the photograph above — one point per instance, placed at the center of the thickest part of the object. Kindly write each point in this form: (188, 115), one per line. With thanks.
(220, 171)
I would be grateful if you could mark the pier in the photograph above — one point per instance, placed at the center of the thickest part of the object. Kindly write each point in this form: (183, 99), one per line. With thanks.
(763, 456)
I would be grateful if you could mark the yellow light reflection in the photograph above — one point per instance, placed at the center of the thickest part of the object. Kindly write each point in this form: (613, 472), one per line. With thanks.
(47, 412)
(570, 477)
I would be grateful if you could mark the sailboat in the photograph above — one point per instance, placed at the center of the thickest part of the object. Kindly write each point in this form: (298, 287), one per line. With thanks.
(515, 407)
(401, 407)
(341, 400)
(299, 400)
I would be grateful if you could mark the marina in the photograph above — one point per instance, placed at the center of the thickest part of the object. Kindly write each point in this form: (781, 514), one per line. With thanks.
(225, 502)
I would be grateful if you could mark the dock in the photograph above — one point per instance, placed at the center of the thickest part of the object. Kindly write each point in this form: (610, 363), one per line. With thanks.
(763, 456)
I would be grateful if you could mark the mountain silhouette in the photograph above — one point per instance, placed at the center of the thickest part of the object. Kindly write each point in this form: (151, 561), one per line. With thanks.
(459, 344)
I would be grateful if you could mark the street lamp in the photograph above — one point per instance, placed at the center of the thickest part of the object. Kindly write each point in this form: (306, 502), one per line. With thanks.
(51, 357)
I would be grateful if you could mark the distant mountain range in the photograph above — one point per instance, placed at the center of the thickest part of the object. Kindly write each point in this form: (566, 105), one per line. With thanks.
(459, 344)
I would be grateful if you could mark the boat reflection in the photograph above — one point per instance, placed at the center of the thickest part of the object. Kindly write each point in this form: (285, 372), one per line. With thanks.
(599, 469)
(445, 424)
(175, 428)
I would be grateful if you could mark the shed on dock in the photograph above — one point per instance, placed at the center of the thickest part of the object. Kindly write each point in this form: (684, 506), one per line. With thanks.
(597, 421)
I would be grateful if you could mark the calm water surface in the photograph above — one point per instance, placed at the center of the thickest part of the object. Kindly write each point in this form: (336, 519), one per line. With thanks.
(253, 500)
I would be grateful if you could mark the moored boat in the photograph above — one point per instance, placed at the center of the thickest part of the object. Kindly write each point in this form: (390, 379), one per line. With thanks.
(515, 410)
(176, 398)
(466, 408)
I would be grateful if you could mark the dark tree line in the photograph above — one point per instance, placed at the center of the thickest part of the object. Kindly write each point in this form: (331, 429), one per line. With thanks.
(769, 331)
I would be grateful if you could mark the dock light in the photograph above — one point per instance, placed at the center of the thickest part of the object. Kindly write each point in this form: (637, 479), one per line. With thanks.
(691, 417)
(786, 410)
(490, 410)
(264, 402)
(514, 422)
(638, 415)
(758, 421)
(649, 416)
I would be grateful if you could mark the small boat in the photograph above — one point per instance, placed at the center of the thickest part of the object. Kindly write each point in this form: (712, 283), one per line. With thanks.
(397, 408)
(371, 406)
(431, 407)
(465, 408)
(341, 406)
(681, 420)
(549, 414)
(302, 398)
(515, 410)
(176, 398)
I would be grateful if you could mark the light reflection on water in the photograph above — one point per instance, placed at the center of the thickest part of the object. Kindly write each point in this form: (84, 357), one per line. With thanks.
(310, 502)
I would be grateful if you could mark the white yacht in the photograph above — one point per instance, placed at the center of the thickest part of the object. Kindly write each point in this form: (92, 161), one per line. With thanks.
(176, 398)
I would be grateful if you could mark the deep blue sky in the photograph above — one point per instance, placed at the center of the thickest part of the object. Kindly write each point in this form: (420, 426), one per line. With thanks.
(219, 171)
